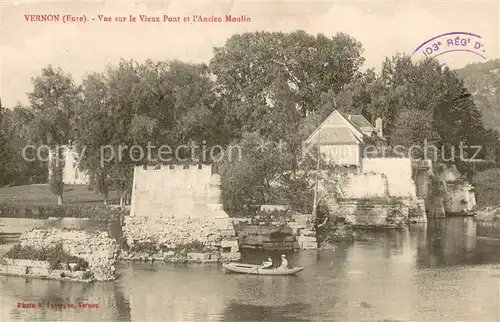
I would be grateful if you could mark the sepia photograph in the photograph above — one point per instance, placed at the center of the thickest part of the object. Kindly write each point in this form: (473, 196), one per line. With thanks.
(250, 160)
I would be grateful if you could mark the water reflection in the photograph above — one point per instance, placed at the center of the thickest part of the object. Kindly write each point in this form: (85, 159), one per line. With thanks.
(454, 242)
(245, 312)
(46, 293)
(434, 271)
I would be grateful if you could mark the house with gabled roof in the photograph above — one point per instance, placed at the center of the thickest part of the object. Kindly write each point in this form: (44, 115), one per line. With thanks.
(343, 139)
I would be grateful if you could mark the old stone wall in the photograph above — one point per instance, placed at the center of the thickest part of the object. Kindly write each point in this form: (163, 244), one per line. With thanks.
(366, 185)
(398, 172)
(417, 211)
(174, 191)
(174, 206)
(271, 237)
(171, 232)
(459, 198)
(373, 213)
(98, 249)
(38, 269)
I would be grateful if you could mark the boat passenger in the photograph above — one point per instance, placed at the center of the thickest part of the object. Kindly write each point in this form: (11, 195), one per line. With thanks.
(284, 262)
(268, 263)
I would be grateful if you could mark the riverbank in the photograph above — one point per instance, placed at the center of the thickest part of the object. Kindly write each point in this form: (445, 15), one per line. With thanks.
(392, 277)
(42, 195)
(38, 202)
(44, 211)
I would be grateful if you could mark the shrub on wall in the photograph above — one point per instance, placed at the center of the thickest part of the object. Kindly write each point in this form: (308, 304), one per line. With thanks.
(54, 255)
(272, 216)
(436, 187)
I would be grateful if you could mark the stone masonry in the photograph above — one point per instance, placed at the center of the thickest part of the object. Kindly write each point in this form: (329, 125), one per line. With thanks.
(98, 249)
(176, 205)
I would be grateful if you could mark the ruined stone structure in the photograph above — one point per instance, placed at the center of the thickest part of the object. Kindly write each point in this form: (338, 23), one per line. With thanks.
(352, 142)
(382, 194)
(97, 248)
(177, 205)
(382, 178)
(459, 196)
(366, 185)
(398, 172)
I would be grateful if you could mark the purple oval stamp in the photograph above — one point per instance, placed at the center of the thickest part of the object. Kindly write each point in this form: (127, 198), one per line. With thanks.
(457, 41)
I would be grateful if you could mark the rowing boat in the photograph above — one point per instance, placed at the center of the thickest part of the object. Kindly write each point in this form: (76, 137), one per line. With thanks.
(258, 270)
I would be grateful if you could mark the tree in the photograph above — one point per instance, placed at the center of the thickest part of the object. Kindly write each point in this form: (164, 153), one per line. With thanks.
(18, 168)
(143, 105)
(354, 98)
(271, 85)
(95, 129)
(248, 66)
(250, 180)
(54, 101)
(417, 101)
(487, 186)
(56, 175)
(4, 152)
(414, 127)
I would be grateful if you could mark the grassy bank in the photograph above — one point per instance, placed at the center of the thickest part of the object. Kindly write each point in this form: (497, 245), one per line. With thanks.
(40, 194)
(38, 202)
(34, 211)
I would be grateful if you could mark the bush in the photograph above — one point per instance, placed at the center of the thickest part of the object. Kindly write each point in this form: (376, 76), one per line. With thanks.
(11, 210)
(195, 246)
(54, 255)
(145, 247)
(88, 275)
(487, 187)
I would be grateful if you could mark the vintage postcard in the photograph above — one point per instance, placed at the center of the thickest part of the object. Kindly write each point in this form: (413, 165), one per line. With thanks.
(250, 160)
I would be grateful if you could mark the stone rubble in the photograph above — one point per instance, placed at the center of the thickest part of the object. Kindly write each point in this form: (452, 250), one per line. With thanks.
(170, 232)
(98, 249)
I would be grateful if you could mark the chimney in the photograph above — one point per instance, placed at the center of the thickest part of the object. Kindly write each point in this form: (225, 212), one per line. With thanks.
(378, 126)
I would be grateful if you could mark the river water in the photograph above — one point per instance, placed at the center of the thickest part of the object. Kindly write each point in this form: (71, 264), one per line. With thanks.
(437, 271)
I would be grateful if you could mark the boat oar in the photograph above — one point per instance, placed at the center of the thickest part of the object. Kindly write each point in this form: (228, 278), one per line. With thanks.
(254, 270)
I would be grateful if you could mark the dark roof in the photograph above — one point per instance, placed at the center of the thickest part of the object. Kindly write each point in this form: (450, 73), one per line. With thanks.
(361, 124)
(337, 135)
(343, 134)
(360, 121)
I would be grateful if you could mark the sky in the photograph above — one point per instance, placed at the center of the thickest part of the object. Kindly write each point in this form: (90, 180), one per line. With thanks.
(383, 27)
